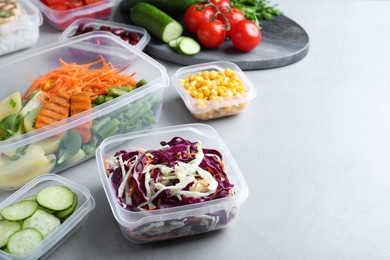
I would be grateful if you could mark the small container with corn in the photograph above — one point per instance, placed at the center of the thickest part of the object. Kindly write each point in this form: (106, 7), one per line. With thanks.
(214, 89)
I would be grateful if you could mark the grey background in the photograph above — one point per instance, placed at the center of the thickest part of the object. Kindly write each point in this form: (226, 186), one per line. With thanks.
(313, 146)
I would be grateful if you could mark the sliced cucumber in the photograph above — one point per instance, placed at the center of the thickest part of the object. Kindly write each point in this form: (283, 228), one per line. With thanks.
(155, 21)
(24, 240)
(66, 213)
(44, 222)
(188, 46)
(56, 198)
(20, 210)
(29, 119)
(32, 197)
(7, 228)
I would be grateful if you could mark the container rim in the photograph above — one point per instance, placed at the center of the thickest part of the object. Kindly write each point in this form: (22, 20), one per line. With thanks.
(168, 213)
(36, 135)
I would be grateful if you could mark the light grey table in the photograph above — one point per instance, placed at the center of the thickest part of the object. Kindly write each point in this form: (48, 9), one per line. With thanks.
(314, 147)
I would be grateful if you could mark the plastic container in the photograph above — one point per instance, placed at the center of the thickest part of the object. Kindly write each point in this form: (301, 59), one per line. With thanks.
(22, 32)
(210, 109)
(161, 224)
(96, 24)
(104, 9)
(26, 156)
(85, 205)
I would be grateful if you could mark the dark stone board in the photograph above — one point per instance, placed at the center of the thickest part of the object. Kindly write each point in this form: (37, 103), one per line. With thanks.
(284, 42)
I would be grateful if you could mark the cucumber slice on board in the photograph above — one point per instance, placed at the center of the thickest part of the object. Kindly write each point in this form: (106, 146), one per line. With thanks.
(24, 240)
(19, 211)
(42, 221)
(156, 22)
(56, 198)
(7, 228)
(188, 46)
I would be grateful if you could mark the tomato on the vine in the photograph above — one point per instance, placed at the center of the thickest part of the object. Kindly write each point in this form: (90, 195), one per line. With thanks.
(220, 2)
(245, 35)
(195, 15)
(233, 16)
(211, 34)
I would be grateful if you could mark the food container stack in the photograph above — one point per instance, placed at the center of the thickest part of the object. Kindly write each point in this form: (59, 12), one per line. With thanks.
(19, 25)
(37, 147)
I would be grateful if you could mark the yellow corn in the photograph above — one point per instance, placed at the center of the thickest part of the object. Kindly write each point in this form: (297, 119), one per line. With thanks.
(211, 85)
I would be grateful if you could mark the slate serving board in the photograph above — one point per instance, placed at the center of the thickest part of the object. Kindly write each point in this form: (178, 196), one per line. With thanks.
(283, 42)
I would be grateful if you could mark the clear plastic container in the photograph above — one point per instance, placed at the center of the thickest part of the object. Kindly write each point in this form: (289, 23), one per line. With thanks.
(85, 205)
(71, 31)
(28, 155)
(104, 9)
(220, 107)
(22, 32)
(161, 224)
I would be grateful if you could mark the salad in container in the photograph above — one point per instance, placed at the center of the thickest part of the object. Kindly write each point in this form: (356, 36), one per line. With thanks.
(37, 218)
(170, 182)
(67, 98)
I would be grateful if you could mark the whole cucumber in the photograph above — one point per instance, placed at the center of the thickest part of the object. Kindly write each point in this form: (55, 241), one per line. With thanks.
(156, 22)
(174, 8)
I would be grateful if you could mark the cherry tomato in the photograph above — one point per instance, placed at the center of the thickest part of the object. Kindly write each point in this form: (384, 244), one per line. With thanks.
(88, 2)
(195, 15)
(233, 16)
(220, 2)
(53, 2)
(74, 3)
(211, 34)
(245, 35)
(58, 7)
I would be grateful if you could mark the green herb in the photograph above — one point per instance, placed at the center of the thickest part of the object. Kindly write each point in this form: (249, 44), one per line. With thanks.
(256, 10)
(70, 144)
(9, 126)
(12, 102)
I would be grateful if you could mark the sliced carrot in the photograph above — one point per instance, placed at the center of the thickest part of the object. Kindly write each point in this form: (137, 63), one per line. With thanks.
(54, 110)
(80, 102)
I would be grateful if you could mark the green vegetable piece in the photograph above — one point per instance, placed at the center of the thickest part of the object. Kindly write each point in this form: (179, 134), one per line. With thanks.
(24, 240)
(7, 228)
(43, 221)
(9, 126)
(114, 92)
(99, 100)
(141, 83)
(12, 102)
(155, 21)
(69, 146)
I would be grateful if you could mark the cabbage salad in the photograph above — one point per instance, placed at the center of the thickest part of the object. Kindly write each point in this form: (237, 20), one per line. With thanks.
(179, 173)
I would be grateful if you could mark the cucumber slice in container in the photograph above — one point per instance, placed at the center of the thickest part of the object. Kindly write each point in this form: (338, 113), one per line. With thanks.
(24, 240)
(66, 213)
(7, 228)
(19, 211)
(42, 221)
(56, 198)
(155, 21)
